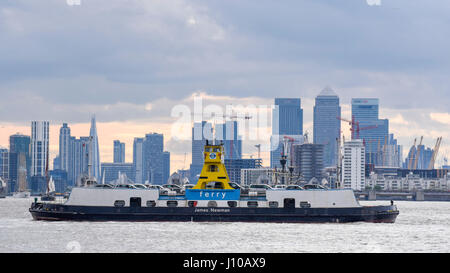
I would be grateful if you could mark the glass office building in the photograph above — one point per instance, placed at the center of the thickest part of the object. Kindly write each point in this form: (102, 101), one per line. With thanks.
(327, 126)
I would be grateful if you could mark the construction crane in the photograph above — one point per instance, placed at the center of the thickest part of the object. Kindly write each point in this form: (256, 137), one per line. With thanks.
(435, 153)
(419, 151)
(355, 127)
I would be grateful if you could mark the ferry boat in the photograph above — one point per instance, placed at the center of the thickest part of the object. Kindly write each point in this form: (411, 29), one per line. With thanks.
(214, 199)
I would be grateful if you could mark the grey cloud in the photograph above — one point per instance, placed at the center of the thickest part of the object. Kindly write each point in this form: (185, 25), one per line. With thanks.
(55, 58)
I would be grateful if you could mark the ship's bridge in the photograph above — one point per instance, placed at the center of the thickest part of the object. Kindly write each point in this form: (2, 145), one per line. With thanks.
(214, 174)
(213, 183)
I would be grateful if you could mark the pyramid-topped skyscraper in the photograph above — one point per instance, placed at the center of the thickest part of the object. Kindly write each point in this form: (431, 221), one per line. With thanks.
(94, 156)
(327, 126)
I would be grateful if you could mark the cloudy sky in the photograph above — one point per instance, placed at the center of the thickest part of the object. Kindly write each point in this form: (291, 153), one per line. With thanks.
(131, 61)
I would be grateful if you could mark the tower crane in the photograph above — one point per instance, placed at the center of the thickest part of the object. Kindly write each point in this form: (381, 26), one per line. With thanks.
(355, 128)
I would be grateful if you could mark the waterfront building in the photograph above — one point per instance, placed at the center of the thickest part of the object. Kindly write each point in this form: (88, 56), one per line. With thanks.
(19, 161)
(308, 161)
(353, 165)
(4, 165)
(327, 126)
(64, 147)
(256, 176)
(228, 134)
(234, 167)
(119, 152)
(112, 171)
(39, 147)
(287, 120)
(138, 160)
(60, 179)
(38, 184)
(409, 183)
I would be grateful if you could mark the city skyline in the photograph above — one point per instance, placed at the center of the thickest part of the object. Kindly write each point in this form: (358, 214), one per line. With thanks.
(231, 53)
(108, 133)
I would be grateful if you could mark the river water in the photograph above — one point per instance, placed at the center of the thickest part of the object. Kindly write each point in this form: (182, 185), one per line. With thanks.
(421, 227)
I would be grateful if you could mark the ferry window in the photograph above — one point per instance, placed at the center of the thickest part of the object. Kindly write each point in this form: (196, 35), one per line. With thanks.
(213, 168)
(151, 204)
(289, 203)
(208, 150)
(119, 204)
(216, 150)
(305, 205)
(252, 204)
(273, 204)
(212, 204)
(135, 202)
(232, 204)
(172, 204)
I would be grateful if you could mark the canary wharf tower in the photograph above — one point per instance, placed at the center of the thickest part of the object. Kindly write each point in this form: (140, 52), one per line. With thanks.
(94, 151)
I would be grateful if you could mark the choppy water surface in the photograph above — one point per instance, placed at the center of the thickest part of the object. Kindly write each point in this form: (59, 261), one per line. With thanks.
(421, 227)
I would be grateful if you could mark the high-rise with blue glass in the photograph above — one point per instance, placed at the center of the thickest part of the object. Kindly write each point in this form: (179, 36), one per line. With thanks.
(287, 120)
(39, 147)
(327, 126)
(366, 112)
(228, 133)
(201, 132)
(119, 152)
(19, 161)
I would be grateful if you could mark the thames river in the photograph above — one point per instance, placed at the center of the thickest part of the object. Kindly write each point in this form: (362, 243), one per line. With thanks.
(421, 227)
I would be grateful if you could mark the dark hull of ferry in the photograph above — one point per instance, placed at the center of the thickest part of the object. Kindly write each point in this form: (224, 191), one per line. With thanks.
(56, 212)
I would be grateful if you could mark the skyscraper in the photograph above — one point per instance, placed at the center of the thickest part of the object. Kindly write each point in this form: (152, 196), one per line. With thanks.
(287, 117)
(201, 132)
(228, 133)
(166, 167)
(326, 125)
(353, 165)
(308, 161)
(64, 147)
(79, 153)
(4, 164)
(19, 161)
(287, 120)
(94, 150)
(119, 152)
(366, 112)
(39, 147)
(138, 160)
(154, 159)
